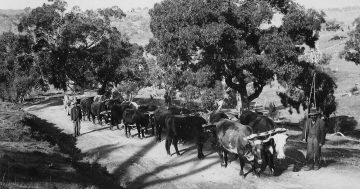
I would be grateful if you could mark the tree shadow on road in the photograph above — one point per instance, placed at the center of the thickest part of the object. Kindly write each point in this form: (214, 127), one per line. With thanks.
(103, 128)
(43, 130)
(140, 181)
(101, 152)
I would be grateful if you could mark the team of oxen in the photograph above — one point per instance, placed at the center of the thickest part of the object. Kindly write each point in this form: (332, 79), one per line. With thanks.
(252, 138)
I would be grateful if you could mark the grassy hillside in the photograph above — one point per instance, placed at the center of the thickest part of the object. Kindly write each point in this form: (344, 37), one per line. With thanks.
(346, 15)
(136, 25)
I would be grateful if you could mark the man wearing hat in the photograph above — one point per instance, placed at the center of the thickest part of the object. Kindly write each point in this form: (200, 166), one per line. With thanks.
(76, 116)
(314, 135)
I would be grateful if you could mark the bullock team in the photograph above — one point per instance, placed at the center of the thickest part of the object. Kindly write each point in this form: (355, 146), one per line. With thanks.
(253, 138)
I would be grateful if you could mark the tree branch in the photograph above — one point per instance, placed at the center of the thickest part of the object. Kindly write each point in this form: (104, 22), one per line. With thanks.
(231, 84)
(88, 46)
(258, 86)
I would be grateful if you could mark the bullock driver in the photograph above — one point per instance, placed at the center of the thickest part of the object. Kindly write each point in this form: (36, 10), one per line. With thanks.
(314, 135)
(76, 117)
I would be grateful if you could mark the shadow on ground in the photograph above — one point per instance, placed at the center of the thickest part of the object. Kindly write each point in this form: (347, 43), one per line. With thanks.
(59, 166)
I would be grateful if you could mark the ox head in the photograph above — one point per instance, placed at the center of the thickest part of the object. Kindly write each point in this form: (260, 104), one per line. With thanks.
(279, 141)
(254, 150)
(257, 150)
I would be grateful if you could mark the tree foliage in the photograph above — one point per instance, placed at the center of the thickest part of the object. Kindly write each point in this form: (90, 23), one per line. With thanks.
(234, 40)
(351, 50)
(18, 71)
(80, 46)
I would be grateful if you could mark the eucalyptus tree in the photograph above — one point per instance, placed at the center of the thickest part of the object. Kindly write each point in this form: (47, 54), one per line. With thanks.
(236, 40)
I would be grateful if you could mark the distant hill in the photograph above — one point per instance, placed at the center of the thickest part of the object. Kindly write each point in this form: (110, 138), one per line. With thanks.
(8, 20)
(345, 15)
(11, 12)
(136, 24)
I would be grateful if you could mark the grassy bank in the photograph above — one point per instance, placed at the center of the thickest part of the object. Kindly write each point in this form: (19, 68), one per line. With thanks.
(36, 154)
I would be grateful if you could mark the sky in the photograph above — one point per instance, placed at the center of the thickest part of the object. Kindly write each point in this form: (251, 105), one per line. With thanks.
(129, 4)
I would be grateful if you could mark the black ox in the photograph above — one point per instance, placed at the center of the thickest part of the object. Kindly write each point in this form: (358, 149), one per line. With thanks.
(161, 114)
(117, 112)
(96, 111)
(184, 127)
(137, 118)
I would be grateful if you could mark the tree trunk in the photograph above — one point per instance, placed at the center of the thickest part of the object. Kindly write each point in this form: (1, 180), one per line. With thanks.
(245, 102)
(238, 103)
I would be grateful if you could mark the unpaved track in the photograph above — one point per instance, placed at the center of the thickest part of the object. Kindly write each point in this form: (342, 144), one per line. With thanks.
(144, 164)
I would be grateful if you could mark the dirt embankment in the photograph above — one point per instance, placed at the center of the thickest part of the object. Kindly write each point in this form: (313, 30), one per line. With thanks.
(36, 154)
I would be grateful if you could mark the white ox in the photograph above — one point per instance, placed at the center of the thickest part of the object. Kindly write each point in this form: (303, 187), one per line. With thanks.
(279, 144)
(275, 145)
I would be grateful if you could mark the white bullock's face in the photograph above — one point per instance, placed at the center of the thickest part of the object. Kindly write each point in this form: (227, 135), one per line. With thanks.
(280, 142)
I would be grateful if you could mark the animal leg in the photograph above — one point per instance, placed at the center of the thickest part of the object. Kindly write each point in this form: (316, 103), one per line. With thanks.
(271, 165)
(242, 164)
(167, 144)
(139, 130)
(225, 158)
(221, 153)
(175, 141)
(152, 127)
(143, 131)
(159, 133)
(200, 152)
(126, 131)
(129, 130)
(93, 118)
(100, 119)
(265, 163)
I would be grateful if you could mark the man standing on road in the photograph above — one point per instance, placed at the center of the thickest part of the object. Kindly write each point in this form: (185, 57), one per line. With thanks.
(76, 117)
(314, 135)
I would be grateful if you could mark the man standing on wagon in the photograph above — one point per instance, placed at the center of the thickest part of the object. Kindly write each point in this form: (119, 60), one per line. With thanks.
(76, 116)
(314, 135)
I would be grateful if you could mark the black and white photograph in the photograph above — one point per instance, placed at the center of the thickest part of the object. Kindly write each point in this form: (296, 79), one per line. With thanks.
(179, 94)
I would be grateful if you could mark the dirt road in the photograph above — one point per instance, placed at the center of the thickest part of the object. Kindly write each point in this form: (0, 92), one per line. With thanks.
(144, 164)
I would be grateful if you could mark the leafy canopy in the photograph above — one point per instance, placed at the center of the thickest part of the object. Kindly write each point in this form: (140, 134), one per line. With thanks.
(80, 46)
(351, 50)
(235, 40)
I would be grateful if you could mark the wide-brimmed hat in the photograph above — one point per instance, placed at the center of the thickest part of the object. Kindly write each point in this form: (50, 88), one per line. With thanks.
(313, 112)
